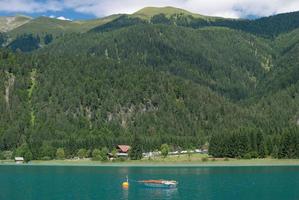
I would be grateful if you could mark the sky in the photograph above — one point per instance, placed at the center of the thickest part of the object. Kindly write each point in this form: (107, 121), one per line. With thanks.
(88, 9)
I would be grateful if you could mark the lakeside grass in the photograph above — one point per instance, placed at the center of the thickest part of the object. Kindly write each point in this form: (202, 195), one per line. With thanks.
(175, 161)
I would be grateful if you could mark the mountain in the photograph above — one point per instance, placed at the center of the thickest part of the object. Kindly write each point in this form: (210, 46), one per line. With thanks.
(149, 12)
(56, 27)
(41, 31)
(161, 15)
(10, 23)
(45, 27)
(267, 26)
(164, 74)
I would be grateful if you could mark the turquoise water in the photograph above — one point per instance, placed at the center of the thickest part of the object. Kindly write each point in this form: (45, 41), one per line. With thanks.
(68, 182)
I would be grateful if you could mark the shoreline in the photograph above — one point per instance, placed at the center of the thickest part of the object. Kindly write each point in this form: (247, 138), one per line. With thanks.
(230, 163)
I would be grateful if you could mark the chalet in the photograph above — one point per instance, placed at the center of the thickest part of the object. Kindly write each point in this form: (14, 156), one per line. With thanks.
(19, 160)
(123, 150)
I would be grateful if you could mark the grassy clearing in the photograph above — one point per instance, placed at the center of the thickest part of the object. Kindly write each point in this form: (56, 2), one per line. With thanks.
(148, 12)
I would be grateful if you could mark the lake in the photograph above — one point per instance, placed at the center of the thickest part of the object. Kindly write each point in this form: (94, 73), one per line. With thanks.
(70, 182)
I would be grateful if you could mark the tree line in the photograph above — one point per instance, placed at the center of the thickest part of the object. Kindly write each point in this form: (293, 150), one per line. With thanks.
(250, 143)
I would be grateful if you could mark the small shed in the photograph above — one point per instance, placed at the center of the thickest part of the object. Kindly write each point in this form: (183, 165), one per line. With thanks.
(19, 160)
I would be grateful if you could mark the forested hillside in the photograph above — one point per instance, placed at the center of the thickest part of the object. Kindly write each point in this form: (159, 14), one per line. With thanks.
(167, 76)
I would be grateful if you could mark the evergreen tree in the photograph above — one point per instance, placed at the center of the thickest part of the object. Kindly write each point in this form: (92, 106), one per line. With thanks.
(135, 152)
(48, 38)
(261, 145)
(1, 156)
(47, 152)
(275, 152)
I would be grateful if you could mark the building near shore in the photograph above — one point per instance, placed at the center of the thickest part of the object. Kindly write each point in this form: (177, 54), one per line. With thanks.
(123, 150)
(19, 160)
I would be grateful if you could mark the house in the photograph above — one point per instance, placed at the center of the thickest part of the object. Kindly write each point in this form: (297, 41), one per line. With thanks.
(19, 160)
(122, 150)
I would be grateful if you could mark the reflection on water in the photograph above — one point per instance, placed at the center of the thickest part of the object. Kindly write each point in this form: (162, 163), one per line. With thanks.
(159, 193)
(125, 193)
(152, 193)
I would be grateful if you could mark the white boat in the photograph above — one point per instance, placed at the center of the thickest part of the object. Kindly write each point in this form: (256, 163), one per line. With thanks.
(159, 183)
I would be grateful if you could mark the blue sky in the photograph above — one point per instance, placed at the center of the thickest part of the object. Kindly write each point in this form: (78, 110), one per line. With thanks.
(87, 9)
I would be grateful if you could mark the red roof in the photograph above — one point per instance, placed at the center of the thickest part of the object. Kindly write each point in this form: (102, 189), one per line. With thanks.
(124, 148)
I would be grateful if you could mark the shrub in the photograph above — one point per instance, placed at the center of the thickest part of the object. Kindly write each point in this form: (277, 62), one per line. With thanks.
(24, 151)
(164, 150)
(254, 154)
(60, 154)
(46, 150)
(121, 159)
(247, 156)
(89, 153)
(189, 152)
(7, 155)
(226, 159)
(82, 153)
(104, 154)
(96, 154)
(46, 158)
(204, 159)
(114, 152)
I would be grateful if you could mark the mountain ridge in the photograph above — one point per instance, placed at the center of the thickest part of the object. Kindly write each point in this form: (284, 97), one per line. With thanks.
(12, 22)
(149, 12)
(171, 79)
(171, 15)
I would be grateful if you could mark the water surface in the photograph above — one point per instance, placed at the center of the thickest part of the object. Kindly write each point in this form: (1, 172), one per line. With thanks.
(69, 182)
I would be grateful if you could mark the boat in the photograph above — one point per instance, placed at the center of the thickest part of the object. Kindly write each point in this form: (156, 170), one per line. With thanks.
(159, 183)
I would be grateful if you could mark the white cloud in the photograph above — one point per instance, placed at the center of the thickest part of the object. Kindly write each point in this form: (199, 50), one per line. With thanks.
(223, 8)
(99, 8)
(30, 6)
